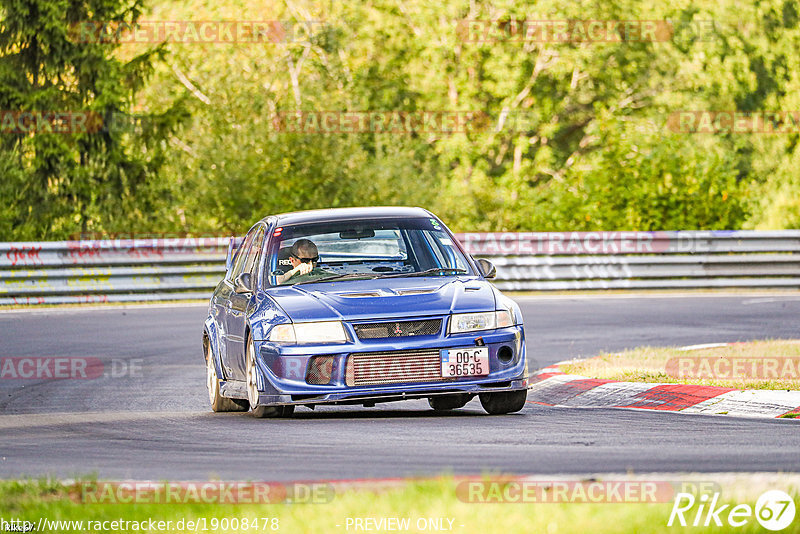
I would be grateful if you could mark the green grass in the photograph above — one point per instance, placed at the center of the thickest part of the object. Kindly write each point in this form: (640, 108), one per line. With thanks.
(651, 364)
(436, 498)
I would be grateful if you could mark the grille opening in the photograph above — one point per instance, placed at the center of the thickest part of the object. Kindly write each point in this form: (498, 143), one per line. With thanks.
(426, 327)
(497, 385)
(304, 397)
(388, 367)
(505, 354)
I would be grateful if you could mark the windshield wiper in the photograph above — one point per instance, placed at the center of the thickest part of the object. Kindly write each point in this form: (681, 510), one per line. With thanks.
(338, 277)
(438, 270)
(368, 276)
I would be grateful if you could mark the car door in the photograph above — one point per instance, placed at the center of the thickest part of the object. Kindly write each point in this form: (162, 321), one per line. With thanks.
(225, 294)
(238, 303)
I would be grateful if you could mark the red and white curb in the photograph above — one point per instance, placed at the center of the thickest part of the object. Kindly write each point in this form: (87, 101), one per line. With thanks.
(551, 387)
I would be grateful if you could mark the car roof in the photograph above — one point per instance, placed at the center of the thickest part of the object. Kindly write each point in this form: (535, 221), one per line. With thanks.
(340, 214)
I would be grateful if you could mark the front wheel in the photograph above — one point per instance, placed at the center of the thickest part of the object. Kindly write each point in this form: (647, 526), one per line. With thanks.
(252, 389)
(444, 403)
(504, 401)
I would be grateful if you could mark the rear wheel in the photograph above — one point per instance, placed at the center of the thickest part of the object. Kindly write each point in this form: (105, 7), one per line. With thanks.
(218, 402)
(504, 401)
(445, 403)
(252, 389)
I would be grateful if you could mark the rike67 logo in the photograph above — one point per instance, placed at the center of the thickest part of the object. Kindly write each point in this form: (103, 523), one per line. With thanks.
(775, 510)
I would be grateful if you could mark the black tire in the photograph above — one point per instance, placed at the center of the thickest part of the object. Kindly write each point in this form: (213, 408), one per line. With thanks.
(263, 412)
(218, 402)
(252, 390)
(444, 403)
(504, 401)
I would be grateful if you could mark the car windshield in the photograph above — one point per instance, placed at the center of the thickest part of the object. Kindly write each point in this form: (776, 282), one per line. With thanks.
(358, 249)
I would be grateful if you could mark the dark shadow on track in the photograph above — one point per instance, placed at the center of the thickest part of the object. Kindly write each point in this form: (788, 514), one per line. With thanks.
(309, 415)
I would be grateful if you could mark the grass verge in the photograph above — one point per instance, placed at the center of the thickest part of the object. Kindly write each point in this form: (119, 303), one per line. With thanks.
(773, 364)
(428, 506)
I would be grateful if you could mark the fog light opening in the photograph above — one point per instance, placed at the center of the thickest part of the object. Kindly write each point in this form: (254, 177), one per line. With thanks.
(505, 354)
(320, 370)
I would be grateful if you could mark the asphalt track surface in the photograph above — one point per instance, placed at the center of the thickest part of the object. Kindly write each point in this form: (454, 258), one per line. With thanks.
(156, 424)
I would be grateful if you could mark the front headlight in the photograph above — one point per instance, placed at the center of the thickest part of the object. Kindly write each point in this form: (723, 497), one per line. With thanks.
(316, 332)
(473, 322)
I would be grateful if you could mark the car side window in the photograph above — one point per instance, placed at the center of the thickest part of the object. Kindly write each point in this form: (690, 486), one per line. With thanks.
(241, 255)
(443, 246)
(254, 254)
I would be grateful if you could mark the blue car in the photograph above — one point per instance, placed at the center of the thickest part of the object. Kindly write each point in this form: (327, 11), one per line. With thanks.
(359, 306)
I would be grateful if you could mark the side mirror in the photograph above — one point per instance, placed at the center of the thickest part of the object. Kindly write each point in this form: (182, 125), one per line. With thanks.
(243, 283)
(487, 268)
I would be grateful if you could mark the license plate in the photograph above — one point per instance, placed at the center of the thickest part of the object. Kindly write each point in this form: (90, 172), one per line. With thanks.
(465, 362)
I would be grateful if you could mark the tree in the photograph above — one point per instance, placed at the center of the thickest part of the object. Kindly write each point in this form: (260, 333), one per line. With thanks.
(93, 177)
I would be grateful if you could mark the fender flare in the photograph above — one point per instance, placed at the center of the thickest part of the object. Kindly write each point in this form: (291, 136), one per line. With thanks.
(211, 332)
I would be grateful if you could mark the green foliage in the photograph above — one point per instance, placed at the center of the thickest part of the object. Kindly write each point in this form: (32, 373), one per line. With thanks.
(595, 150)
(61, 183)
(640, 178)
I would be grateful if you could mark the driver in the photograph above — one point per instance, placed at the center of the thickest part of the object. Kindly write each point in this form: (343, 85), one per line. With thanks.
(303, 257)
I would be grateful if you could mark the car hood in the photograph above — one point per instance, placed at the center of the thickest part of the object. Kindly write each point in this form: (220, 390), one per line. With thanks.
(377, 299)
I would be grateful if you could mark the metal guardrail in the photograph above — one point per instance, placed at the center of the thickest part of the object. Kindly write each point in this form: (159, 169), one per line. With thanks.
(188, 268)
(641, 260)
(117, 270)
